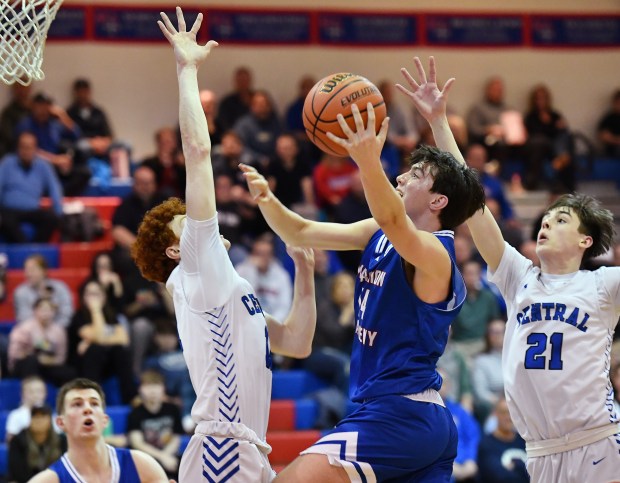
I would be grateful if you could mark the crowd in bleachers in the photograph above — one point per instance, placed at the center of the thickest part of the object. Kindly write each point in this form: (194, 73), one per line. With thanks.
(70, 308)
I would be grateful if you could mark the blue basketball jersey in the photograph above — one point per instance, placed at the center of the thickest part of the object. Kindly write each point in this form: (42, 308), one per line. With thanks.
(398, 337)
(123, 468)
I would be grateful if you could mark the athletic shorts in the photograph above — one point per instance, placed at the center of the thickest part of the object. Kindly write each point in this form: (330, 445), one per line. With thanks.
(596, 463)
(393, 438)
(216, 459)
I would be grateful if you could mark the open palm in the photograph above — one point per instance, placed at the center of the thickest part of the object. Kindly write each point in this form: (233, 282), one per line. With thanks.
(186, 49)
(426, 95)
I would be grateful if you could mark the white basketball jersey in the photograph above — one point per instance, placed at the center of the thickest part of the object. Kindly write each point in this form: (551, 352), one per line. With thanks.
(223, 333)
(556, 354)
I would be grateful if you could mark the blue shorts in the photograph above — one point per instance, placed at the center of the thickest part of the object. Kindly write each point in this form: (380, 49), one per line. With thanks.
(395, 439)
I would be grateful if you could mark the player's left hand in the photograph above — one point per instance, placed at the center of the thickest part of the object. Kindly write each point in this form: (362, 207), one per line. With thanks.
(426, 95)
(301, 255)
(186, 49)
(364, 146)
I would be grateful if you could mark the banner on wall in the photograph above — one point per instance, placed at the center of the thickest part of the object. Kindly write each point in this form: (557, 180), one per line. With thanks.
(562, 31)
(258, 27)
(474, 30)
(367, 29)
(337, 28)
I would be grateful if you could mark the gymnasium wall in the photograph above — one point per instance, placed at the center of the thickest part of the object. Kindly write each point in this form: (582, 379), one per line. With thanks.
(136, 82)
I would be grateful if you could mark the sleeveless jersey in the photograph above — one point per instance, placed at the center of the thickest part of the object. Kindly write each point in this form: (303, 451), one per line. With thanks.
(123, 468)
(398, 337)
(223, 333)
(557, 345)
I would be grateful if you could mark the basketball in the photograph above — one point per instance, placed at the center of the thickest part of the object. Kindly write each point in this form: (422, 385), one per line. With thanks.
(333, 95)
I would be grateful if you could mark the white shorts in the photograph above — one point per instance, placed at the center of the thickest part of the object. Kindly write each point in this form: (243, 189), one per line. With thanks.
(214, 459)
(597, 463)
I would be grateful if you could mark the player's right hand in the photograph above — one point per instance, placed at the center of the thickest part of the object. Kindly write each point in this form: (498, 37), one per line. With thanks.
(257, 184)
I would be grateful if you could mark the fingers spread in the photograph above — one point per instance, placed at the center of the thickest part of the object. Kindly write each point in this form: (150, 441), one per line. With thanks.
(180, 20)
(420, 68)
(344, 126)
(357, 117)
(432, 71)
(196, 26)
(410, 80)
(167, 23)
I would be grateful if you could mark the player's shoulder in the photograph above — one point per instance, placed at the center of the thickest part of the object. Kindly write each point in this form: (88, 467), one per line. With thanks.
(148, 468)
(46, 476)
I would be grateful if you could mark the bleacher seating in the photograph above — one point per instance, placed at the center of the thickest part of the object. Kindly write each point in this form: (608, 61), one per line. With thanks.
(17, 254)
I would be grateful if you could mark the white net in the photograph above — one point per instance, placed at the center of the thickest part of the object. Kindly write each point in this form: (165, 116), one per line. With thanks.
(23, 30)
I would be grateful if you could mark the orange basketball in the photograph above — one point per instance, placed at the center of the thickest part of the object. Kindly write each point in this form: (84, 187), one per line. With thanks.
(336, 94)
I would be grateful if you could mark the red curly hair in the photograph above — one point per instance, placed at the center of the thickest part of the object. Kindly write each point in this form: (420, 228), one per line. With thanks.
(154, 236)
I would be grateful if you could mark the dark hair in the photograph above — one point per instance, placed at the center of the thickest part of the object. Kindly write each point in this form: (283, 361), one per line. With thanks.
(154, 236)
(455, 180)
(81, 84)
(595, 221)
(79, 383)
(39, 259)
(151, 376)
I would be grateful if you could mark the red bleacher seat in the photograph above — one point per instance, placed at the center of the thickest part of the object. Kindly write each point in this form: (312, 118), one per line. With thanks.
(282, 416)
(286, 445)
(81, 254)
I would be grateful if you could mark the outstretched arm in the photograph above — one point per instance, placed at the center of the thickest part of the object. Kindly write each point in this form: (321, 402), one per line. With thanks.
(199, 193)
(431, 103)
(296, 230)
(293, 337)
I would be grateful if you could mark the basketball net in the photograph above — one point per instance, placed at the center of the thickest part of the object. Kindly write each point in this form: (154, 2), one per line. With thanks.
(23, 30)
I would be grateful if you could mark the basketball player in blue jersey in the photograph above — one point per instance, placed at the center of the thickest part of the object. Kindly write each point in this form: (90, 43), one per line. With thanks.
(225, 335)
(80, 406)
(561, 322)
(408, 291)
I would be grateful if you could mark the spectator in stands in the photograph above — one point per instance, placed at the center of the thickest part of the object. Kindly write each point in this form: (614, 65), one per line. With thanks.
(38, 346)
(155, 425)
(501, 454)
(102, 270)
(169, 361)
(259, 129)
(294, 124)
(24, 179)
(11, 115)
(235, 215)
(34, 393)
(332, 181)
(549, 156)
(272, 284)
(168, 164)
(353, 207)
(609, 128)
(56, 135)
(290, 176)
(402, 132)
(492, 123)
(208, 101)
(477, 158)
(465, 467)
(91, 119)
(36, 447)
(237, 103)
(331, 348)
(487, 377)
(480, 308)
(128, 216)
(454, 365)
(99, 341)
(37, 285)
(228, 155)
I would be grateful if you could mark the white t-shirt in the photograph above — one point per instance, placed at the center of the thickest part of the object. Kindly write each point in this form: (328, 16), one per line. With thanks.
(223, 333)
(556, 355)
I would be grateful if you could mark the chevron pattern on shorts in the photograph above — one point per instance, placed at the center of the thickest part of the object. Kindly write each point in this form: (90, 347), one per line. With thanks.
(220, 459)
(225, 365)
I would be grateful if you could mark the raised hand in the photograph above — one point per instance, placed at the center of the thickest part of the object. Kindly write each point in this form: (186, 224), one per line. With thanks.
(426, 95)
(186, 49)
(257, 184)
(364, 145)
